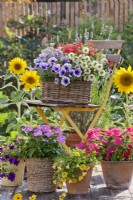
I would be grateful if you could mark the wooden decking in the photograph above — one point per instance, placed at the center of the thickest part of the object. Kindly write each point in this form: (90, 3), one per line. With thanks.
(97, 191)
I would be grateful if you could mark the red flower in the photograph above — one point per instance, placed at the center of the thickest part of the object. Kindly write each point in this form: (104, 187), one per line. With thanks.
(126, 154)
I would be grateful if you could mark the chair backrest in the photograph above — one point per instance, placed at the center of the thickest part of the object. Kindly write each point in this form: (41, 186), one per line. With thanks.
(114, 58)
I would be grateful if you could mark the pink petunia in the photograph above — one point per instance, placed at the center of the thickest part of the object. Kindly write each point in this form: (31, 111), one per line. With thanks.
(80, 145)
(118, 141)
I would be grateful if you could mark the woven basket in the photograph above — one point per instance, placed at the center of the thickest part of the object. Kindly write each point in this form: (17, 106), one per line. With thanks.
(40, 175)
(76, 93)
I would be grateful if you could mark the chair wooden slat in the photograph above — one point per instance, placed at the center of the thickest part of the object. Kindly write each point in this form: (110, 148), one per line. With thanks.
(113, 58)
(108, 44)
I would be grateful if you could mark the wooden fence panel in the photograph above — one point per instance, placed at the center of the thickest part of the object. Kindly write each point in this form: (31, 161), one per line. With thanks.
(115, 10)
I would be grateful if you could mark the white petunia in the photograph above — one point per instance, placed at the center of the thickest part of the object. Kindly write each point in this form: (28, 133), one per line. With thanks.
(104, 60)
(79, 62)
(91, 77)
(87, 58)
(94, 64)
(84, 65)
(85, 50)
(71, 55)
(99, 66)
(86, 77)
(101, 73)
(87, 71)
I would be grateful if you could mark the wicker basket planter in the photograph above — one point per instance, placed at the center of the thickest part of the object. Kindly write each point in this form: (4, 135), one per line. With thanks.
(77, 92)
(40, 175)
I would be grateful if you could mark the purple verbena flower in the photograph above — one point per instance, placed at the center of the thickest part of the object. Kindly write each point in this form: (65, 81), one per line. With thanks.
(2, 159)
(11, 176)
(1, 150)
(7, 156)
(2, 175)
(65, 80)
(14, 161)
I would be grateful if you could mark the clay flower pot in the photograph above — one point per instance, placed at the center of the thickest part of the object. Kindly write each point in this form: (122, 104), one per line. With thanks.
(118, 174)
(80, 187)
(72, 139)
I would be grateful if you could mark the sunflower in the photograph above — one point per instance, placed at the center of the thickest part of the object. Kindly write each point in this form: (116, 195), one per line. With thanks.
(17, 65)
(30, 79)
(123, 80)
(17, 196)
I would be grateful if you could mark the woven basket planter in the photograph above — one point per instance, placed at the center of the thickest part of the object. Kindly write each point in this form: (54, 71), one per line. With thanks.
(77, 92)
(40, 175)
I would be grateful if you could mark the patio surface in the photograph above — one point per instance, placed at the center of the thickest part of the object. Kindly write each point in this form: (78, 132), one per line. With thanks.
(97, 191)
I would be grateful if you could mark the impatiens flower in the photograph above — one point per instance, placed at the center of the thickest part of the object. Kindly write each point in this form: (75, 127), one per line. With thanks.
(118, 141)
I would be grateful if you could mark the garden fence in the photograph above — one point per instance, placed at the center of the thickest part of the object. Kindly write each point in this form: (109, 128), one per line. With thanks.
(115, 10)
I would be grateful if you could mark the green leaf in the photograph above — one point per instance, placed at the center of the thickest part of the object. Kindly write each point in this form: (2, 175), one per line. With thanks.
(31, 152)
(7, 85)
(14, 134)
(16, 96)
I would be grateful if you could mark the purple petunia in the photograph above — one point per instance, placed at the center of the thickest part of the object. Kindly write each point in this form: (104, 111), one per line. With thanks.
(52, 60)
(56, 68)
(71, 72)
(37, 132)
(61, 139)
(64, 59)
(2, 159)
(14, 161)
(56, 81)
(67, 66)
(44, 65)
(77, 72)
(7, 156)
(49, 134)
(62, 72)
(57, 130)
(2, 175)
(45, 128)
(11, 147)
(65, 80)
(1, 150)
(27, 129)
(11, 176)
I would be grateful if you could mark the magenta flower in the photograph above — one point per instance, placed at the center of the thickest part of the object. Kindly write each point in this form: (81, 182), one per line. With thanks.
(110, 149)
(126, 154)
(115, 131)
(80, 145)
(118, 141)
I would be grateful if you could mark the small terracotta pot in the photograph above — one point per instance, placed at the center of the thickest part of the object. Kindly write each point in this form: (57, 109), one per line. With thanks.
(80, 187)
(72, 139)
(117, 175)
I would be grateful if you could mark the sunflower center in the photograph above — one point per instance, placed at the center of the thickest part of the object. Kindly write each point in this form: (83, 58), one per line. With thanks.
(30, 80)
(126, 79)
(17, 66)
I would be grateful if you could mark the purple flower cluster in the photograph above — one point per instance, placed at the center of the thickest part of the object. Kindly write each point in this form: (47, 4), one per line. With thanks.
(58, 65)
(10, 176)
(45, 132)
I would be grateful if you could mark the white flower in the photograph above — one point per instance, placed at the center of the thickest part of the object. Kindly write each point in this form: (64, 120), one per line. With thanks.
(79, 62)
(87, 58)
(86, 77)
(87, 71)
(99, 66)
(71, 55)
(103, 55)
(84, 65)
(104, 60)
(94, 63)
(91, 77)
(85, 50)
(101, 73)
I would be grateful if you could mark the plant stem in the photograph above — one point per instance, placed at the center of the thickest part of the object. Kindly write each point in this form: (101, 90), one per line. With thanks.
(31, 98)
(126, 111)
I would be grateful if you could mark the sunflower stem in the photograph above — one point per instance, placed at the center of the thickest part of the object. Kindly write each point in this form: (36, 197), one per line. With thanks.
(31, 98)
(127, 111)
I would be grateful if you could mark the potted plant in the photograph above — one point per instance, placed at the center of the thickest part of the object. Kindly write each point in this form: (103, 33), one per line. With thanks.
(12, 166)
(116, 149)
(74, 168)
(40, 148)
(69, 70)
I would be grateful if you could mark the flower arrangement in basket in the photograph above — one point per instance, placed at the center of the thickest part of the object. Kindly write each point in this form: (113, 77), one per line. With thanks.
(73, 166)
(69, 71)
(40, 148)
(10, 158)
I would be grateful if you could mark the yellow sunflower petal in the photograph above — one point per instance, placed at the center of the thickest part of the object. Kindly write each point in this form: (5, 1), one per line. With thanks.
(17, 65)
(30, 79)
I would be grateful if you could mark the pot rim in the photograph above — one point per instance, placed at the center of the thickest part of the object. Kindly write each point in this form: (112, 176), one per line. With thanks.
(116, 162)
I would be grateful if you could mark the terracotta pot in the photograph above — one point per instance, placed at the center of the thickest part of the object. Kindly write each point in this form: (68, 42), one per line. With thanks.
(117, 175)
(40, 175)
(72, 139)
(19, 172)
(80, 187)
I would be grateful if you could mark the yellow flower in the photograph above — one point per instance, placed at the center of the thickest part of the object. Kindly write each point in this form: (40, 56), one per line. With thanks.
(17, 65)
(33, 197)
(64, 174)
(30, 79)
(17, 196)
(54, 181)
(73, 180)
(84, 174)
(62, 196)
(123, 80)
(77, 154)
(83, 167)
(80, 178)
(63, 179)
(60, 184)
